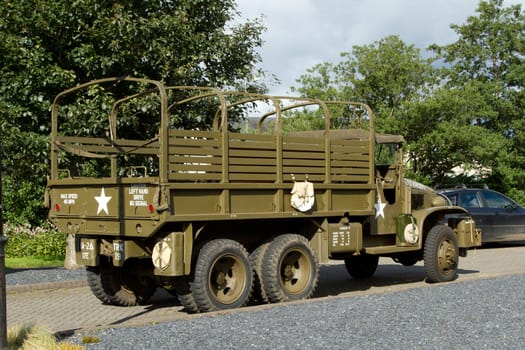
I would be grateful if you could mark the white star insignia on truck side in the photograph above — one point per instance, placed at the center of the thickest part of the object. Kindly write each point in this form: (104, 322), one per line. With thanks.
(102, 201)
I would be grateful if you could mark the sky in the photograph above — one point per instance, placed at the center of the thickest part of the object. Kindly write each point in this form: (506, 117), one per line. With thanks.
(303, 33)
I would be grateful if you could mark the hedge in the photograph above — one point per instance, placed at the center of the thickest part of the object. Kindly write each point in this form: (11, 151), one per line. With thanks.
(24, 241)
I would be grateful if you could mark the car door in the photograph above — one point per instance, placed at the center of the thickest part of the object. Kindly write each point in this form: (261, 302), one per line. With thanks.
(508, 221)
(483, 216)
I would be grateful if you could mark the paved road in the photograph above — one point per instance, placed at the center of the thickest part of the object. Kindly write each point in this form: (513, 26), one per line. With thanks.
(75, 308)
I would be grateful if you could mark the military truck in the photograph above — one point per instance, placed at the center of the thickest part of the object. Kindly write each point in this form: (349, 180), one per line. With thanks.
(221, 214)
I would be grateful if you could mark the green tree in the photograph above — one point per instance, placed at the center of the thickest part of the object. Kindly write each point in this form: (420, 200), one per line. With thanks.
(398, 84)
(467, 113)
(386, 75)
(488, 58)
(320, 82)
(443, 135)
(48, 46)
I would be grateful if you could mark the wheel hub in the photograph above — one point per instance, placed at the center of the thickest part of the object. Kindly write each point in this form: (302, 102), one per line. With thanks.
(221, 279)
(289, 272)
(447, 258)
(294, 272)
(227, 282)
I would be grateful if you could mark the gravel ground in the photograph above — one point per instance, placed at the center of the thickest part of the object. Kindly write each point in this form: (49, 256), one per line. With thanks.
(17, 277)
(480, 314)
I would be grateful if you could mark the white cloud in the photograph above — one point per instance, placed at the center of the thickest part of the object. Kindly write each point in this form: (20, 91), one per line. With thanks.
(302, 33)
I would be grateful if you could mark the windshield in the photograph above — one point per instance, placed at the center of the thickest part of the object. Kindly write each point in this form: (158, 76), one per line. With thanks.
(385, 153)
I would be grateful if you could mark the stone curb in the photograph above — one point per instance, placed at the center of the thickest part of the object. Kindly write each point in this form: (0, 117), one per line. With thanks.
(22, 288)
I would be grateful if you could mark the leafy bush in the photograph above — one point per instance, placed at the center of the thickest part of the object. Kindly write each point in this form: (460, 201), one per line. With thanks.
(518, 195)
(24, 240)
(23, 202)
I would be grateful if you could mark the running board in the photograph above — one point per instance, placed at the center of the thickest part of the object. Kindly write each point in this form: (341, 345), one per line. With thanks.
(389, 249)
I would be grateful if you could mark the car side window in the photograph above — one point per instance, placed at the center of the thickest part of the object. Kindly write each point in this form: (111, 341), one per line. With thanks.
(470, 200)
(496, 200)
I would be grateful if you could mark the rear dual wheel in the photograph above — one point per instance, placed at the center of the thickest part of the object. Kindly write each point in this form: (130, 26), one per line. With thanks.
(184, 294)
(257, 261)
(290, 270)
(122, 286)
(282, 270)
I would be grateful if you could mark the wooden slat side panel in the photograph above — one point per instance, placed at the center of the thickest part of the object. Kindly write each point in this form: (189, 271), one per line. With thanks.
(304, 158)
(252, 158)
(195, 159)
(251, 177)
(194, 143)
(104, 146)
(195, 156)
(195, 177)
(252, 161)
(253, 169)
(350, 161)
(197, 134)
(345, 164)
(350, 179)
(290, 140)
(97, 149)
(194, 151)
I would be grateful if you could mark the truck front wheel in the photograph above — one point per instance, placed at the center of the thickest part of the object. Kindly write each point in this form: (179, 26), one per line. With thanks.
(290, 269)
(223, 277)
(441, 254)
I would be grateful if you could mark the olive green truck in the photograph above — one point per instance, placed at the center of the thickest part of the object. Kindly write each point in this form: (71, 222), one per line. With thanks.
(228, 214)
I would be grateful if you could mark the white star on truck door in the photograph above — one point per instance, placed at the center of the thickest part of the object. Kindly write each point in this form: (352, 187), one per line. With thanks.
(380, 207)
(102, 201)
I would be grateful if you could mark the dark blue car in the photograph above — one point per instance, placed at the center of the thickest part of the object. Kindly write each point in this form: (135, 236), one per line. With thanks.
(499, 217)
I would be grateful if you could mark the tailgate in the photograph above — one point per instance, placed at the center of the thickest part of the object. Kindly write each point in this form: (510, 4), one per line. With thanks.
(104, 208)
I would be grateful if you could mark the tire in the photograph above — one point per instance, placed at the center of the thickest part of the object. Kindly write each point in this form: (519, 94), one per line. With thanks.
(95, 284)
(184, 294)
(223, 276)
(441, 254)
(256, 261)
(361, 266)
(119, 286)
(290, 269)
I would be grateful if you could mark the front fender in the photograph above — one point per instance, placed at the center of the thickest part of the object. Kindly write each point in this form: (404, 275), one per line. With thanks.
(457, 218)
(438, 215)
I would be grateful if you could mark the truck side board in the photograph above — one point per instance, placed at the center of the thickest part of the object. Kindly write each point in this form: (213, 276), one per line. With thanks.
(250, 174)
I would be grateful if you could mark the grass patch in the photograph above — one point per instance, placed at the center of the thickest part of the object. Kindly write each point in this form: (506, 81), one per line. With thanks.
(89, 339)
(34, 262)
(35, 337)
